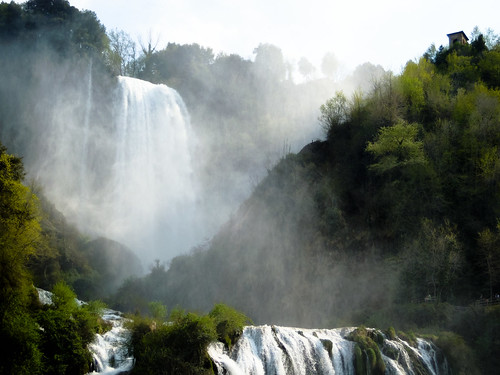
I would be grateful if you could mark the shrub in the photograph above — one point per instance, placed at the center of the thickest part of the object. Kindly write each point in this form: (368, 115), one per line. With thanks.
(175, 348)
(229, 323)
(157, 310)
(67, 330)
(459, 354)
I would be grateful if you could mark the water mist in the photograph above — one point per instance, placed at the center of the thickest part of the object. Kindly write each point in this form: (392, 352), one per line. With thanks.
(119, 164)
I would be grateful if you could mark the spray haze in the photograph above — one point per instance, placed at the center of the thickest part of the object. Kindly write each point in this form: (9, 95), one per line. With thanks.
(124, 173)
(122, 158)
(127, 159)
(146, 199)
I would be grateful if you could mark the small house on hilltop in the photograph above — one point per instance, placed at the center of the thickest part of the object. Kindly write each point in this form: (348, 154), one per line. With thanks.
(458, 37)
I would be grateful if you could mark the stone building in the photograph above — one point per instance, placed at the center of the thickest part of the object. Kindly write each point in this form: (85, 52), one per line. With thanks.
(458, 37)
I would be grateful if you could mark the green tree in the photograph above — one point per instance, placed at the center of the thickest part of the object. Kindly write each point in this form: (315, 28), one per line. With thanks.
(229, 323)
(489, 248)
(88, 35)
(19, 238)
(433, 262)
(175, 348)
(67, 330)
(404, 184)
(335, 112)
(490, 68)
(396, 147)
(19, 227)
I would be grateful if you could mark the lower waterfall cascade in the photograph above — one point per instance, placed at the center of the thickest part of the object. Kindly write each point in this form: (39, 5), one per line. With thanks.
(263, 350)
(293, 351)
(109, 350)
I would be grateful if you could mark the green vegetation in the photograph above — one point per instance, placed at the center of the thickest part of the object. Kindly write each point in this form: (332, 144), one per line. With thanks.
(458, 353)
(50, 339)
(66, 331)
(19, 234)
(179, 346)
(393, 220)
(229, 323)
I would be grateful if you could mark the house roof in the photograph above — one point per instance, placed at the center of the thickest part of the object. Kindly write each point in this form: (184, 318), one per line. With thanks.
(457, 33)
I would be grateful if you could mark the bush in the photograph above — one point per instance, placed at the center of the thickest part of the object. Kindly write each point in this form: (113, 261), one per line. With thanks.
(229, 323)
(178, 347)
(459, 354)
(67, 330)
(20, 334)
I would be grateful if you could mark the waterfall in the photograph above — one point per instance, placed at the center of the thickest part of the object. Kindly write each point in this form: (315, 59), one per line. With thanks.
(292, 351)
(85, 137)
(109, 350)
(150, 197)
(264, 350)
(118, 164)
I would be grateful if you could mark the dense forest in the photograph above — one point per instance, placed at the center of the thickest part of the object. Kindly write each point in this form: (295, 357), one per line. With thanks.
(391, 220)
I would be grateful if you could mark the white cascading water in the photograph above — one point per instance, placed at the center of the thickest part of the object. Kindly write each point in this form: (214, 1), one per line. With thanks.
(109, 350)
(121, 167)
(151, 196)
(276, 350)
(85, 139)
(263, 350)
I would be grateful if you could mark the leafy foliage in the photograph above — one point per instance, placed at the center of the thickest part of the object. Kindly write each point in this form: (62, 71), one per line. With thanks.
(52, 339)
(180, 344)
(406, 181)
(175, 347)
(19, 237)
(66, 329)
(401, 200)
(229, 323)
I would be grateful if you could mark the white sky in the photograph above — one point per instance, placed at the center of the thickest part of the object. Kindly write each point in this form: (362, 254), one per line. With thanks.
(385, 32)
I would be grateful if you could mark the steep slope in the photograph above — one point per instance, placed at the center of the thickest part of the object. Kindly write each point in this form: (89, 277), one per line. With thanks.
(283, 256)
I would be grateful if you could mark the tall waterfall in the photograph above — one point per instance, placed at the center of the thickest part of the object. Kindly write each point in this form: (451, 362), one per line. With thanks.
(120, 165)
(292, 351)
(150, 193)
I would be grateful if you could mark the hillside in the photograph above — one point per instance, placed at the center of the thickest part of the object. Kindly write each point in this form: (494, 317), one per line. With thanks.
(398, 206)
(391, 220)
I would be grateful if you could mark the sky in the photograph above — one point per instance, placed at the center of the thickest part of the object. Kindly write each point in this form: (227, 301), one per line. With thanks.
(385, 32)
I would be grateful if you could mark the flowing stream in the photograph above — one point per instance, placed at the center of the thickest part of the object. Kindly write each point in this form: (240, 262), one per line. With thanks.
(109, 349)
